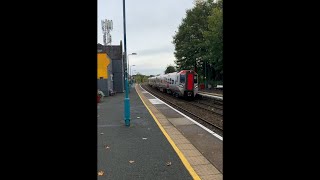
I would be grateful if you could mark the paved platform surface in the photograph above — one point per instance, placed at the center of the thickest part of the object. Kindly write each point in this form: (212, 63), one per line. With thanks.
(159, 144)
(140, 151)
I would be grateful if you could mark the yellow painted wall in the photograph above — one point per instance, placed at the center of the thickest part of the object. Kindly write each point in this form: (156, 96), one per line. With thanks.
(103, 63)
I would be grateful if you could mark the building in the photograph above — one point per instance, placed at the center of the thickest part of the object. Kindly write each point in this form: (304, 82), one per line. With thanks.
(104, 79)
(110, 68)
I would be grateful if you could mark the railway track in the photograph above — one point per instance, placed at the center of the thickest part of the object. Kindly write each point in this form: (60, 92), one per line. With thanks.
(213, 105)
(204, 115)
(216, 103)
(214, 109)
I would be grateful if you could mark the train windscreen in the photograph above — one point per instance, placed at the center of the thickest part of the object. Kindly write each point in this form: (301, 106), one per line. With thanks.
(182, 78)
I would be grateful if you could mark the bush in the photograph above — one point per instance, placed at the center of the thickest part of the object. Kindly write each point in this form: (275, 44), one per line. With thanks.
(215, 83)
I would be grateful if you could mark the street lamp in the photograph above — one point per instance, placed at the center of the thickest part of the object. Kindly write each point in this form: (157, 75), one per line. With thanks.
(129, 66)
(128, 58)
(135, 73)
(131, 73)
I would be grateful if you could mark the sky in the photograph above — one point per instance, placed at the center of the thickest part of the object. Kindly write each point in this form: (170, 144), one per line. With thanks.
(150, 27)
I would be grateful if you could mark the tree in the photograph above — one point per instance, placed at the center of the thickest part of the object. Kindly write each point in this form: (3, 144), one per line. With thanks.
(214, 39)
(140, 78)
(189, 40)
(199, 40)
(170, 69)
(198, 1)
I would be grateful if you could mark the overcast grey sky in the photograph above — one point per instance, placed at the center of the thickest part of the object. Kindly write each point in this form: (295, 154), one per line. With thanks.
(150, 26)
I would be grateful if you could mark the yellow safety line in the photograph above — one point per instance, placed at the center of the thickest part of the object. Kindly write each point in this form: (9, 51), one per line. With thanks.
(181, 156)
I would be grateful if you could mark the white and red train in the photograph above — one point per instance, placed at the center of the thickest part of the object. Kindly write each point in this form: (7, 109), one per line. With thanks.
(183, 83)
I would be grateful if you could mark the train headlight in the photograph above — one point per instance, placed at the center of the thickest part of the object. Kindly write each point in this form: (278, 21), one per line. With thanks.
(196, 86)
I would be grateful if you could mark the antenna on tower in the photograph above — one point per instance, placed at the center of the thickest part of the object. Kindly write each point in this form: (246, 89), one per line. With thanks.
(107, 26)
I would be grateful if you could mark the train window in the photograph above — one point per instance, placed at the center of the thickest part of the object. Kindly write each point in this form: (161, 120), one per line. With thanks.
(195, 79)
(182, 78)
(172, 81)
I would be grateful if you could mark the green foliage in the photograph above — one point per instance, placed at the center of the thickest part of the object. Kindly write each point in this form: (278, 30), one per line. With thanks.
(170, 69)
(214, 39)
(199, 39)
(215, 83)
(140, 78)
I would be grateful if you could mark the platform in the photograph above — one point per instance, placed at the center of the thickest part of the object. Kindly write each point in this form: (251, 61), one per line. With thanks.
(159, 144)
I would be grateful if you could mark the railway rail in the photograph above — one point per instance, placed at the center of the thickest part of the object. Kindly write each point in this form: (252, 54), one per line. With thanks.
(204, 114)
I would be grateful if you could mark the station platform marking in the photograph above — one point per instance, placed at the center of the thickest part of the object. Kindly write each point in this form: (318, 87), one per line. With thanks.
(155, 101)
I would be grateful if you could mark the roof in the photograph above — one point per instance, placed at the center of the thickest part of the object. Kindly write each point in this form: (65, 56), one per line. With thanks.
(113, 51)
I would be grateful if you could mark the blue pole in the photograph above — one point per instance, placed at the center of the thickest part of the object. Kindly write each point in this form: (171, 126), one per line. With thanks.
(129, 75)
(126, 99)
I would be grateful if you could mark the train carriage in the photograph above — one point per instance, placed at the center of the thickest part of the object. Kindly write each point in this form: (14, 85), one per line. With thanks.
(183, 83)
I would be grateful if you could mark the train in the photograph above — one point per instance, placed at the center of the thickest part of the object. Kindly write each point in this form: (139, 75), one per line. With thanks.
(179, 84)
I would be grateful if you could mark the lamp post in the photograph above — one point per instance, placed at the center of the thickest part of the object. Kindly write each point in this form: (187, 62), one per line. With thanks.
(126, 99)
(128, 57)
(129, 66)
(134, 71)
(131, 73)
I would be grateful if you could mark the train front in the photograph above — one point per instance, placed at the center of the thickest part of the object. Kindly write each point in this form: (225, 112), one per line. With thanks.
(188, 83)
